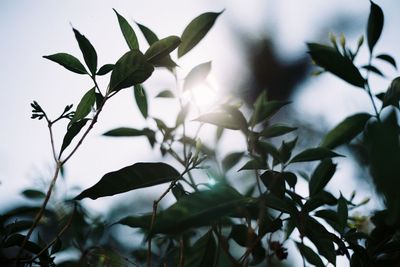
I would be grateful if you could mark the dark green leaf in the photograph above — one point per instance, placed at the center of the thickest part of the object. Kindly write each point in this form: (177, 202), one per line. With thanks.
(267, 148)
(242, 235)
(312, 154)
(237, 115)
(321, 176)
(72, 131)
(165, 94)
(392, 95)
(285, 205)
(182, 115)
(331, 60)
(345, 131)
(17, 239)
(88, 51)
(331, 217)
(318, 200)
(85, 106)
(231, 160)
(18, 226)
(265, 109)
(131, 132)
(68, 61)
(275, 182)
(178, 191)
(33, 194)
(138, 175)
(290, 178)
(141, 99)
(389, 59)
(105, 69)
(310, 256)
(149, 35)
(254, 164)
(276, 130)
(131, 69)
(203, 252)
(128, 32)
(343, 213)
(197, 75)
(285, 151)
(196, 30)
(161, 48)
(375, 25)
(222, 119)
(373, 69)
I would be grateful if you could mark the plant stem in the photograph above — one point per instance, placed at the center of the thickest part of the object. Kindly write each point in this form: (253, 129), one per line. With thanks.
(368, 89)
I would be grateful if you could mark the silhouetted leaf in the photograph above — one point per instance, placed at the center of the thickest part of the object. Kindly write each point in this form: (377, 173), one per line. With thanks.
(85, 106)
(343, 213)
(392, 95)
(375, 25)
(284, 204)
(310, 256)
(141, 99)
(312, 154)
(197, 75)
(202, 253)
(165, 94)
(138, 175)
(33, 194)
(274, 181)
(131, 132)
(331, 60)
(196, 30)
(72, 131)
(161, 48)
(131, 69)
(276, 130)
(373, 69)
(18, 226)
(263, 109)
(231, 160)
(17, 239)
(389, 59)
(88, 51)
(321, 176)
(149, 35)
(128, 32)
(345, 131)
(68, 61)
(254, 164)
(105, 69)
(222, 119)
(331, 217)
(318, 200)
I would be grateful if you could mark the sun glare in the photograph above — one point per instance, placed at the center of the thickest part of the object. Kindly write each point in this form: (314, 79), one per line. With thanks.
(204, 95)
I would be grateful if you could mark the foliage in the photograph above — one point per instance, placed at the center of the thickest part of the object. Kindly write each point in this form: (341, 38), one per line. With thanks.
(216, 224)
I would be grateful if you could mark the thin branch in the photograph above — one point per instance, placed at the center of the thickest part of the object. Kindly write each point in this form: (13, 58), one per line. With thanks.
(181, 251)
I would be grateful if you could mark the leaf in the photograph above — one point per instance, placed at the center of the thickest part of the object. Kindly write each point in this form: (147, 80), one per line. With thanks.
(180, 118)
(17, 226)
(331, 60)
(85, 106)
(56, 247)
(17, 239)
(318, 200)
(392, 95)
(276, 130)
(343, 213)
(310, 256)
(312, 154)
(263, 109)
(254, 164)
(346, 130)
(105, 69)
(267, 148)
(285, 205)
(373, 69)
(149, 35)
(375, 25)
(68, 61)
(165, 94)
(321, 176)
(138, 175)
(197, 75)
(162, 48)
(331, 217)
(389, 59)
(197, 209)
(275, 182)
(131, 132)
(196, 30)
(221, 119)
(72, 131)
(202, 253)
(88, 51)
(141, 99)
(231, 160)
(128, 32)
(33, 194)
(131, 69)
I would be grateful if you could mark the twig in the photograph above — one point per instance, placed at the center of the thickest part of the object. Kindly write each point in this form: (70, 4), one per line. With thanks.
(181, 251)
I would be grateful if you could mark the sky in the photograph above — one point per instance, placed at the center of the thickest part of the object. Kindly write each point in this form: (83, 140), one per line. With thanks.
(31, 29)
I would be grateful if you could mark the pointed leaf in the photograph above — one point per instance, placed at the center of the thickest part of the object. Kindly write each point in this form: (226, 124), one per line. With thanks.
(345, 131)
(149, 35)
(68, 61)
(131, 132)
(312, 154)
(254, 164)
(321, 176)
(85, 106)
(182, 115)
(128, 32)
(202, 253)
(72, 131)
(375, 25)
(33, 194)
(131, 69)
(221, 119)
(105, 69)
(196, 30)
(392, 95)
(165, 94)
(138, 175)
(88, 51)
(197, 75)
(141, 99)
(373, 69)
(161, 48)
(389, 59)
(310, 256)
(276, 130)
(343, 213)
(231, 160)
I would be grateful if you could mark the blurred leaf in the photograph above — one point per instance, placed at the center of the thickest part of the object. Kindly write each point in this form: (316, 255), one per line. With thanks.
(231, 160)
(321, 176)
(161, 48)
(149, 35)
(131, 69)
(331, 60)
(131, 132)
(254, 164)
(88, 51)
(266, 148)
(128, 32)
(237, 115)
(18, 226)
(197, 75)
(178, 191)
(389, 59)
(375, 25)
(276, 130)
(312, 154)
(56, 247)
(221, 119)
(202, 253)
(85, 106)
(265, 109)
(141, 99)
(373, 69)
(392, 95)
(105, 69)
(138, 175)
(242, 235)
(196, 30)
(17, 239)
(68, 61)
(33, 194)
(72, 131)
(284, 204)
(310, 256)
(165, 94)
(345, 131)
(182, 115)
